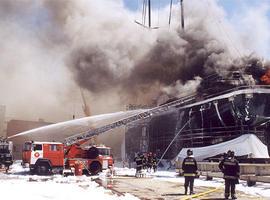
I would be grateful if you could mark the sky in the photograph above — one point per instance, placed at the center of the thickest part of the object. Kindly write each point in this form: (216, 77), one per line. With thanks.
(230, 6)
(243, 15)
(233, 6)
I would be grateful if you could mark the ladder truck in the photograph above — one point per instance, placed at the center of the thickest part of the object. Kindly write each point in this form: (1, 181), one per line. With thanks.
(44, 158)
(50, 157)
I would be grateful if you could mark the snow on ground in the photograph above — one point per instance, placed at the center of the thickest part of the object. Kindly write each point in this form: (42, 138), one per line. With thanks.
(20, 185)
(260, 189)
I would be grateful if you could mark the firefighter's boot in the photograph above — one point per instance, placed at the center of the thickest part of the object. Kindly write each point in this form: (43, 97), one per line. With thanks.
(186, 190)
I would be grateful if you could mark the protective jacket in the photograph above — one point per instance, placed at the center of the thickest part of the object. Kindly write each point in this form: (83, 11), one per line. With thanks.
(139, 161)
(189, 166)
(230, 168)
(154, 161)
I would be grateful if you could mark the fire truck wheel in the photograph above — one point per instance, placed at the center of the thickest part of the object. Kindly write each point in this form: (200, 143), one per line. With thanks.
(95, 167)
(43, 169)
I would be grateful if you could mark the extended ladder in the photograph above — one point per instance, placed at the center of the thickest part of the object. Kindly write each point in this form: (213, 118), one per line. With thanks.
(143, 115)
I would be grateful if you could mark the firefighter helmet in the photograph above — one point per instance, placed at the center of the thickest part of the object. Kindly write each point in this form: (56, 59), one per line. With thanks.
(230, 153)
(189, 152)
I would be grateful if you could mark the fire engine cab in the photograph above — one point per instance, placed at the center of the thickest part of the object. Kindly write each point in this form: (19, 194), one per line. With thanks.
(45, 158)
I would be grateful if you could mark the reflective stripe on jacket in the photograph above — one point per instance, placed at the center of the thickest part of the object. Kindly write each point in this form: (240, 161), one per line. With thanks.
(230, 168)
(189, 166)
(189, 174)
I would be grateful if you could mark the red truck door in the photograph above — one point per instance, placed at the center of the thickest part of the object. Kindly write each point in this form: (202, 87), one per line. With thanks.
(54, 153)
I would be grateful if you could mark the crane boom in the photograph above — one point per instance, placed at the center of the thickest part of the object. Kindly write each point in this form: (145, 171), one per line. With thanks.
(85, 107)
(81, 137)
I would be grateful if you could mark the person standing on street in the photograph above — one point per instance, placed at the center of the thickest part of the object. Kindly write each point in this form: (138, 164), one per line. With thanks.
(149, 162)
(155, 162)
(189, 167)
(231, 170)
(139, 162)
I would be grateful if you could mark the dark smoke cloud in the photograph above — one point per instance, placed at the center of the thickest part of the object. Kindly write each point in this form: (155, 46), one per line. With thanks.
(91, 69)
(173, 56)
(253, 65)
(172, 59)
(182, 58)
(51, 48)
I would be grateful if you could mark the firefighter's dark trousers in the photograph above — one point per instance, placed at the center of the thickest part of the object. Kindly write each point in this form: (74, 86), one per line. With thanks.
(155, 168)
(189, 181)
(139, 168)
(229, 187)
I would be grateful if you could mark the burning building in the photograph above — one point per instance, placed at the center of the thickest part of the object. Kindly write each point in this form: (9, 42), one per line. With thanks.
(99, 46)
(222, 109)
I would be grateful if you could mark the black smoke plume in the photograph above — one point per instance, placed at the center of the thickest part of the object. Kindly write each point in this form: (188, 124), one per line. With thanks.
(173, 59)
(51, 48)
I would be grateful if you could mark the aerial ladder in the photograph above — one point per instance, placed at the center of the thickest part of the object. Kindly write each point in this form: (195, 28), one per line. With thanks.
(76, 139)
(53, 157)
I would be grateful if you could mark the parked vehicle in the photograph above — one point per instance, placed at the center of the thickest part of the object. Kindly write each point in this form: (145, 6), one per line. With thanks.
(6, 158)
(45, 158)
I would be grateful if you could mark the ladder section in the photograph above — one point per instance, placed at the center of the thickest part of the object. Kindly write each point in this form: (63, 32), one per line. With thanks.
(143, 115)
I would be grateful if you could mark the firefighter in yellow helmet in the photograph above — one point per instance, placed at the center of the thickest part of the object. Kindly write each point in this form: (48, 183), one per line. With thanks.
(189, 167)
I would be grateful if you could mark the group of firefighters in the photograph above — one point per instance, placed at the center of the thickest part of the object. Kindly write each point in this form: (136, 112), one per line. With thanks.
(228, 165)
(146, 161)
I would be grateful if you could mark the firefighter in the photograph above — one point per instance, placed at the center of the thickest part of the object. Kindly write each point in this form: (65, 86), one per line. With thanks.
(149, 162)
(189, 167)
(155, 161)
(231, 170)
(144, 160)
(139, 162)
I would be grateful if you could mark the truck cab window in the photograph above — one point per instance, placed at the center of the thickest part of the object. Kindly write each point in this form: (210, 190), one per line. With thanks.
(104, 151)
(37, 147)
(53, 147)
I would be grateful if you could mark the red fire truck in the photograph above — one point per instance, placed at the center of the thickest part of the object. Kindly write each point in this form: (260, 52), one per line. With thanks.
(45, 158)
